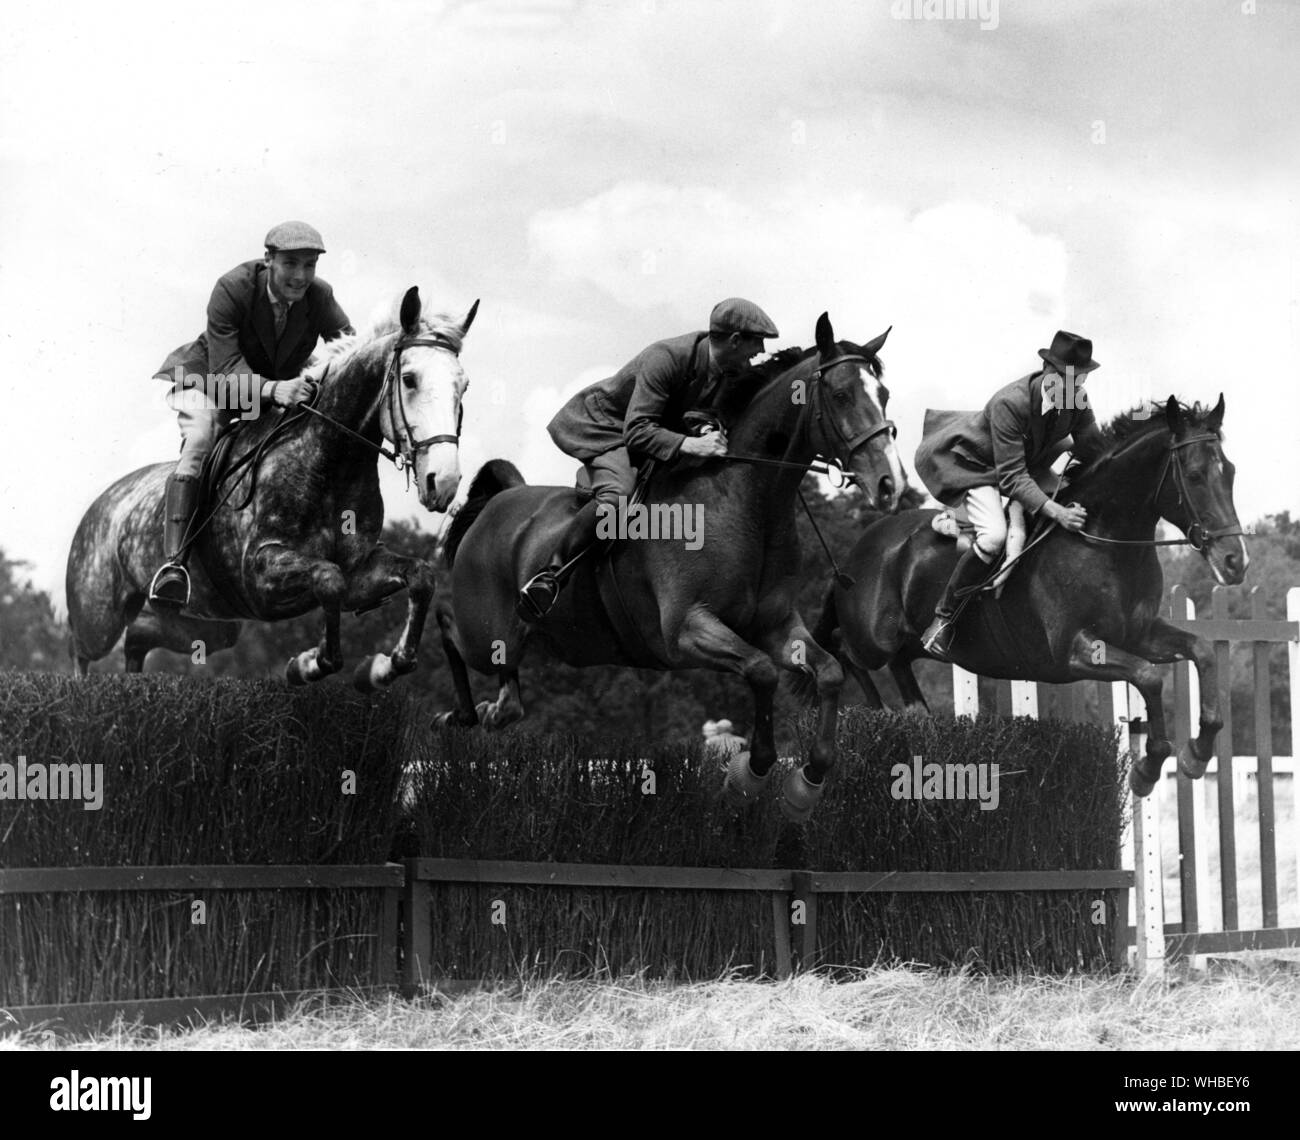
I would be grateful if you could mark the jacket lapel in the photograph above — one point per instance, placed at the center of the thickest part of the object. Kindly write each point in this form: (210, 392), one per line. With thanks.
(1038, 425)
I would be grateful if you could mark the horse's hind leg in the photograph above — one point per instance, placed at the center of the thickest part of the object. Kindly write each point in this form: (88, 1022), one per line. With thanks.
(464, 714)
(507, 708)
(384, 573)
(181, 634)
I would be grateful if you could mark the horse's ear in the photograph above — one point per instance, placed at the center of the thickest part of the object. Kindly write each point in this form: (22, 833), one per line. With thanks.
(469, 319)
(1215, 420)
(825, 335)
(1174, 414)
(410, 315)
(873, 347)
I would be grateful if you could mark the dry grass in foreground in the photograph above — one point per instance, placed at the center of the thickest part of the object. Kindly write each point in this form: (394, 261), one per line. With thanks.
(887, 1008)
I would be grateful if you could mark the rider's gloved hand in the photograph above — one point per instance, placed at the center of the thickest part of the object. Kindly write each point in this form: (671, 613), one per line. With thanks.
(286, 393)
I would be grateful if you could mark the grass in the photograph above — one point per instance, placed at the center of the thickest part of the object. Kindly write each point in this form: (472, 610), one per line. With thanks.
(891, 1008)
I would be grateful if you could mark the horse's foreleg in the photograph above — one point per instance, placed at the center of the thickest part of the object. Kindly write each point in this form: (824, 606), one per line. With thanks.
(1093, 659)
(384, 573)
(793, 648)
(703, 640)
(1165, 643)
(285, 574)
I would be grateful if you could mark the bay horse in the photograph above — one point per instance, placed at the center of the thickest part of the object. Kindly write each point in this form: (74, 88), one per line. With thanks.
(298, 525)
(1077, 606)
(727, 605)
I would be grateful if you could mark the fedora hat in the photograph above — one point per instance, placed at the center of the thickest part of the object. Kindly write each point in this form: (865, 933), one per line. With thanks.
(1069, 350)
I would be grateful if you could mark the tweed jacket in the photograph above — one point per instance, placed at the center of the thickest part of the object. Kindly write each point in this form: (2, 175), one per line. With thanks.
(1005, 445)
(641, 406)
(240, 337)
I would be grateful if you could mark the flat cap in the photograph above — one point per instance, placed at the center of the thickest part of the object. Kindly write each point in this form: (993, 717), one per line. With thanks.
(735, 314)
(294, 235)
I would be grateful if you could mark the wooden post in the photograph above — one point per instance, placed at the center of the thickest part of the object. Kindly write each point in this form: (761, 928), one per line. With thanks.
(965, 693)
(417, 935)
(803, 892)
(1223, 780)
(1264, 770)
(781, 932)
(1193, 847)
(1149, 881)
(1293, 669)
(386, 967)
(1024, 699)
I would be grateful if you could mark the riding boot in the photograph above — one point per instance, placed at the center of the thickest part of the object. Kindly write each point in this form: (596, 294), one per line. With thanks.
(970, 570)
(170, 587)
(539, 593)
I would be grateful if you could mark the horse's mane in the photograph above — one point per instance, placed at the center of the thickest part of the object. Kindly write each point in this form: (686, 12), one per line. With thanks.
(339, 349)
(495, 475)
(738, 392)
(1128, 428)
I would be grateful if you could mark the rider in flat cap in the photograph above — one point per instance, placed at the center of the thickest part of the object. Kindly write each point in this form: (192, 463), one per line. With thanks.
(264, 319)
(972, 459)
(637, 414)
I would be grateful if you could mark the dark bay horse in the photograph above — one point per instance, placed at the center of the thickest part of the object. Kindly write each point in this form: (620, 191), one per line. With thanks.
(1074, 607)
(308, 535)
(726, 605)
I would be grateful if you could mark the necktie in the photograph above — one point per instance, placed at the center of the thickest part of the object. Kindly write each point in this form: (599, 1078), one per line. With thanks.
(281, 317)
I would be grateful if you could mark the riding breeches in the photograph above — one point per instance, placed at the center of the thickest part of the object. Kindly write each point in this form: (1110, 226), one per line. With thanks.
(612, 476)
(983, 509)
(201, 423)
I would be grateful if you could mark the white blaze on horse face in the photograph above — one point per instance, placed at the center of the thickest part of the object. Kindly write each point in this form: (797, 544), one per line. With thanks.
(872, 387)
(432, 406)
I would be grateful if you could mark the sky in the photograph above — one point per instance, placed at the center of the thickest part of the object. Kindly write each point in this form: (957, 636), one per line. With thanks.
(976, 175)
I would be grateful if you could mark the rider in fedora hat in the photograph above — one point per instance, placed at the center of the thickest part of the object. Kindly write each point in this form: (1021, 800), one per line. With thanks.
(972, 459)
(264, 319)
(638, 414)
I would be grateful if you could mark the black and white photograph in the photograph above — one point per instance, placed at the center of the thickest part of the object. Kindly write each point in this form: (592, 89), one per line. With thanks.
(650, 525)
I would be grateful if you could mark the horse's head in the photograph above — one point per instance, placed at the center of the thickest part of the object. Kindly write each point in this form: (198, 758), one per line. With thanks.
(1195, 491)
(849, 425)
(420, 413)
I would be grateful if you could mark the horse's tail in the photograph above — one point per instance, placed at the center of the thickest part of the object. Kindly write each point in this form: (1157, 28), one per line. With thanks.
(804, 685)
(494, 476)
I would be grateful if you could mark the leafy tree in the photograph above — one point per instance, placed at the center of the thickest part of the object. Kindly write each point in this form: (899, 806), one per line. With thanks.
(30, 637)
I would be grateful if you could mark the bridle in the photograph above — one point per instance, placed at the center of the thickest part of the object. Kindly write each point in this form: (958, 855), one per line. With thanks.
(847, 444)
(1198, 534)
(408, 448)
(834, 467)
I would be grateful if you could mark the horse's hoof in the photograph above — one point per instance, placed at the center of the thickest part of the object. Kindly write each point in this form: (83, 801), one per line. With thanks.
(741, 787)
(296, 672)
(374, 672)
(1189, 764)
(1140, 782)
(799, 796)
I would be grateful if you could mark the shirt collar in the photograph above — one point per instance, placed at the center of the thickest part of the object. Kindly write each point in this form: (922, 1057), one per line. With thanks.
(275, 301)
